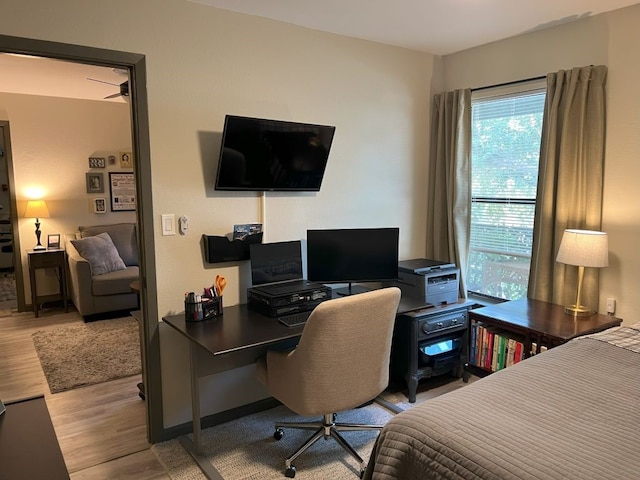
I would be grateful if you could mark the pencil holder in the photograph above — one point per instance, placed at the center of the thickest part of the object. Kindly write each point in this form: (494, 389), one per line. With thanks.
(211, 307)
(193, 311)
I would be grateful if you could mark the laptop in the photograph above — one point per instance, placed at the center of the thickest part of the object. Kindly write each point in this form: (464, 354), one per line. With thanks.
(276, 268)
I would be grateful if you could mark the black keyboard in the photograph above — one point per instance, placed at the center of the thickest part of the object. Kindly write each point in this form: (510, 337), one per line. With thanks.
(294, 319)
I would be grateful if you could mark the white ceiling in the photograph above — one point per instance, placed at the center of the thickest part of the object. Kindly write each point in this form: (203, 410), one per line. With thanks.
(56, 78)
(435, 26)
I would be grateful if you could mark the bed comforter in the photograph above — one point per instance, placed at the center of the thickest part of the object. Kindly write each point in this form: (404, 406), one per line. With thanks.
(572, 412)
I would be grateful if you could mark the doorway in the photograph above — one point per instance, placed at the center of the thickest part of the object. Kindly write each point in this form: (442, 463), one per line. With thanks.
(136, 66)
(11, 283)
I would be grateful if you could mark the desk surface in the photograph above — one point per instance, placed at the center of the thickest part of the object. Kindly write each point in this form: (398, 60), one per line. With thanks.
(28, 445)
(241, 328)
(238, 328)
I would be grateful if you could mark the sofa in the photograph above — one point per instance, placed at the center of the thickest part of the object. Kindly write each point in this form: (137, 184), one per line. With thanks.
(103, 262)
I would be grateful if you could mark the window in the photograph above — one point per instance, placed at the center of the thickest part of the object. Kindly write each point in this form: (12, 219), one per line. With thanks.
(506, 132)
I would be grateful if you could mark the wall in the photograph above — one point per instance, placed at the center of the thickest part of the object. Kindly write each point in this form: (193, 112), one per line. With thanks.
(52, 140)
(609, 39)
(203, 63)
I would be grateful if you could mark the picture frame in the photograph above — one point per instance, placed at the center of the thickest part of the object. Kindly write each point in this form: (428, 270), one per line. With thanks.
(53, 241)
(95, 182)
(97, 162)
(99, 205)
(122, 191)
(112, 160)
(126, 160)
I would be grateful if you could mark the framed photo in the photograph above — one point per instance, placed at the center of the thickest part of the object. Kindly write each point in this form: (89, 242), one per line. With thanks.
(53, 241)
(99, 205)
(112, 160)
(96, 162)
(123, 191)
(126, 160)
(95, 182)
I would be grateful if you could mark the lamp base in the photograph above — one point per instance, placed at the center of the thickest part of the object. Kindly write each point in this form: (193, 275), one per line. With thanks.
(578, 310)
(39, 247)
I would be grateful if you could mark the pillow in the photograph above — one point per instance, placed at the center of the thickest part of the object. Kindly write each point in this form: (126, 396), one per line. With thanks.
(123, 236)
(100, 252)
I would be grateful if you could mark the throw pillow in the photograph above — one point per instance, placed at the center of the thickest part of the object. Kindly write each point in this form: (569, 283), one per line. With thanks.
(100, 252)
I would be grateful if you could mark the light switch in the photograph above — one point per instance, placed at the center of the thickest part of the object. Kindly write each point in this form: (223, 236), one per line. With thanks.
(168, 224)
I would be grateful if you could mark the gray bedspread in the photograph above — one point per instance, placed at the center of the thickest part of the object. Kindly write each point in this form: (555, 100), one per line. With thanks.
(572, 412)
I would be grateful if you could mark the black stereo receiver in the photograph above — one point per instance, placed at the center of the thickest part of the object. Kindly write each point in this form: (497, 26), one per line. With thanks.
(274, 305)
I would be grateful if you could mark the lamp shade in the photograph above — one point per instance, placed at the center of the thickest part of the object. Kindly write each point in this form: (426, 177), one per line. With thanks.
(584, 248)
(36, 209)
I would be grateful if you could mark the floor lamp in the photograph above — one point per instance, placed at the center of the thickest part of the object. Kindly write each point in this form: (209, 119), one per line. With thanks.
(583, 248)
(37, 209)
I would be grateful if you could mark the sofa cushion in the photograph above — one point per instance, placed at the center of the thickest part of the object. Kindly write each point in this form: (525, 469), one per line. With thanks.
(123, 236)
(115, 283)
(101, 254)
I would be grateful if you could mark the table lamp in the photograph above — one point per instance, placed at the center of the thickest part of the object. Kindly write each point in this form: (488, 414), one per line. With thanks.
(583, 248)
(37, 209)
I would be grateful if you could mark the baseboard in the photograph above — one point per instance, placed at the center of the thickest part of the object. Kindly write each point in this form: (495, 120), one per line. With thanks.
(221, 417)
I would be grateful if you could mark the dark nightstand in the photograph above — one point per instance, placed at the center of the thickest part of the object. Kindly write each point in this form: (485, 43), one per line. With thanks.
(48, 259)
(539, 323)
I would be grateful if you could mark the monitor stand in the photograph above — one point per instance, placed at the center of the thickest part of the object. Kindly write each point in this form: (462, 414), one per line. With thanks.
(351, 290)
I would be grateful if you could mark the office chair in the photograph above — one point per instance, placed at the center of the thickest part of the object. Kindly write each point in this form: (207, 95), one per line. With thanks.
(340, 363)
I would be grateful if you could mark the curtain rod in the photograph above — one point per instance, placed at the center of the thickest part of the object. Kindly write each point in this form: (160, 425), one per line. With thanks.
(506, 84)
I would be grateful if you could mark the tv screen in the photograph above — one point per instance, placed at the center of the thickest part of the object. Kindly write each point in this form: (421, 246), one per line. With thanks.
(258, 154)
(352, 256)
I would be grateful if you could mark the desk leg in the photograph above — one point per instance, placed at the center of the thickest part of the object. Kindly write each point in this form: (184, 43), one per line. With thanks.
(194, 447)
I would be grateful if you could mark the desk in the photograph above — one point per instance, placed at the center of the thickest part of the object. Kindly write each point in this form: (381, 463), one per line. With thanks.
(48, 259)
(236, 339)
(28, 444)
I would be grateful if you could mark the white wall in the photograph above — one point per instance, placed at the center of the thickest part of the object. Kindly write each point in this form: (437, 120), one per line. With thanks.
(203, 63)
(610, 39)
(51, 141)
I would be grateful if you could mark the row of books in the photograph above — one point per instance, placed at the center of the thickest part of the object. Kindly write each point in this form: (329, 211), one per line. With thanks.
(493, 349)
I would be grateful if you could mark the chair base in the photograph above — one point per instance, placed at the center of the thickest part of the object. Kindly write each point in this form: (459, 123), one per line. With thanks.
(325, 429)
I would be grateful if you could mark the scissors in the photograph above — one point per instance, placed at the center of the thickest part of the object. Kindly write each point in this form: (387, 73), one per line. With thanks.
(220, 284)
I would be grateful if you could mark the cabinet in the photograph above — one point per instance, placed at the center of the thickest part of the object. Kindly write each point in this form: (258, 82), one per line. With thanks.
(428, 342)
(55, 259)
(534, 324)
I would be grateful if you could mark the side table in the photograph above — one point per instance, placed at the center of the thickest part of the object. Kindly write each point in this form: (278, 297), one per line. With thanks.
(540, 323)
(39, 259)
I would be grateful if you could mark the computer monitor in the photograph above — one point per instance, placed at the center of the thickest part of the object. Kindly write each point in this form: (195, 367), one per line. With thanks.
(352, 255)
(275, 262)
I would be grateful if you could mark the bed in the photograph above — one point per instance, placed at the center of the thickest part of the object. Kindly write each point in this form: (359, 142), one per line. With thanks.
(571, 412)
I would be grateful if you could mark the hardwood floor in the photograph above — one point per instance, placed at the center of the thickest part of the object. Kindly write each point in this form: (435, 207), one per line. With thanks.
(101, 428)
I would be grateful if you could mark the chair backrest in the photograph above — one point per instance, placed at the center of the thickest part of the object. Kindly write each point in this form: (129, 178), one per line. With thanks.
(343, 354)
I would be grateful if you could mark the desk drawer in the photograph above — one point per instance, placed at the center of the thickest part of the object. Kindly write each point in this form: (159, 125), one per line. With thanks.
(47, 259)
(442, 323)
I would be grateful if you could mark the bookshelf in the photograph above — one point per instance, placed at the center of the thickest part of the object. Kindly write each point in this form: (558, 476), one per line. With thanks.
(504, 334)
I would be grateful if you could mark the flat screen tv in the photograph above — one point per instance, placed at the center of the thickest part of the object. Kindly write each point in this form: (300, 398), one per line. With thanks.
(258, 154)
(352, 255)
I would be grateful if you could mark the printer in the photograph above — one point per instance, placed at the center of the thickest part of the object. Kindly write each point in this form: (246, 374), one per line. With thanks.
(434, 281)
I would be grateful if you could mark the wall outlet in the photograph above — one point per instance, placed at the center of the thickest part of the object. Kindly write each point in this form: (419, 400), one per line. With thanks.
(611, 305)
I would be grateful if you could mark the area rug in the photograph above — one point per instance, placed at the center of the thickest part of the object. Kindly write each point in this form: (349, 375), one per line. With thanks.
(245, 449)
(86, 354)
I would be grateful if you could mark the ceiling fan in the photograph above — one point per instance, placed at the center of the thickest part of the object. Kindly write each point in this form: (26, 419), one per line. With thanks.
(124, 88)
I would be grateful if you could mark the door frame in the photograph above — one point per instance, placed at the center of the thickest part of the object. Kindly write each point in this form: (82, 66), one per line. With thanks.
(135, 64)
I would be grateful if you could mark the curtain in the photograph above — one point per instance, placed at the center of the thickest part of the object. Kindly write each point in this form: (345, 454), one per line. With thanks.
(449, 185)
(570, 180)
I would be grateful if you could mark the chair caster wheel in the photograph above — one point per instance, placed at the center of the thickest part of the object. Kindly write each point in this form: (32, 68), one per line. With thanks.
(278, 434)
(291, 472)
